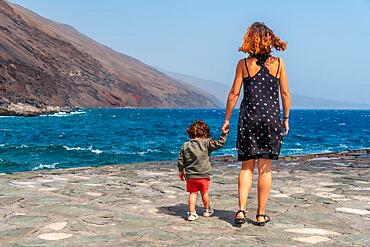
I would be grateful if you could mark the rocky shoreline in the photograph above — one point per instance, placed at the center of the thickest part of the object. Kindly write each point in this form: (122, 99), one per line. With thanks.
(317, 200)
(29, 110)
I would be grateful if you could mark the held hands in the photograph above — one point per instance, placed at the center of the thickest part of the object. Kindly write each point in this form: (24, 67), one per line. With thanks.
(226, 127)
(182, 176)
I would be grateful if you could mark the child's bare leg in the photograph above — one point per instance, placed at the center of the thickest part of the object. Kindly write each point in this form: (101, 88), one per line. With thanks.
(192, 201)
(205, 199)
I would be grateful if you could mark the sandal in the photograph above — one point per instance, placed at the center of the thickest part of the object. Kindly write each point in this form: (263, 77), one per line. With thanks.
(240, 220)
(262, 223)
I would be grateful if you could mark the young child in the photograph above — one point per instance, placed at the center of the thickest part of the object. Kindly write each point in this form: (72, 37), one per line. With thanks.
(194, 164)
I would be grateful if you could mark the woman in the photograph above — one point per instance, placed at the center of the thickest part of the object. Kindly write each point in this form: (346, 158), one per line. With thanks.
(259, 127)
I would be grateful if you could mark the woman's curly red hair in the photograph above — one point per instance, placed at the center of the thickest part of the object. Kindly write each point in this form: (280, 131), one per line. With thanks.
(260, 39)
(198, 129)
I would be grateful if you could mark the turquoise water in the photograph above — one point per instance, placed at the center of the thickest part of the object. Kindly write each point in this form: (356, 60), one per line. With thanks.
(93, 137)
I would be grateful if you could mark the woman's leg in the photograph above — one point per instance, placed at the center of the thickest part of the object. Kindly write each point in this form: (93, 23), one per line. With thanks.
(245, 183)
(264, 185)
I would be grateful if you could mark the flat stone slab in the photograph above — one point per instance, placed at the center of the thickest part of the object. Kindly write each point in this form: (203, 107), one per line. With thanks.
(312, 239)
(57, 226)
(14, 234)
(313, 201)
(55, 236)
(312, 231)
(94, 194)
(25, 220)
(353, 211)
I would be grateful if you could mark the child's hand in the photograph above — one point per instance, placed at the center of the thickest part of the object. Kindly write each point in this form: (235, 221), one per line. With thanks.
(181, 176)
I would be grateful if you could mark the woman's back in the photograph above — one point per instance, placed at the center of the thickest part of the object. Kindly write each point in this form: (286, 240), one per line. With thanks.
(272, 64)
(259, 132)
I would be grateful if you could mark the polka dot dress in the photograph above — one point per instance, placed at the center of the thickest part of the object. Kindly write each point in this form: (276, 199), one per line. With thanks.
(259, 127)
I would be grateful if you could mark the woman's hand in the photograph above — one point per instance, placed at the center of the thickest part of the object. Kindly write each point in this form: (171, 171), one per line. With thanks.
(226, 127)
(286, 126)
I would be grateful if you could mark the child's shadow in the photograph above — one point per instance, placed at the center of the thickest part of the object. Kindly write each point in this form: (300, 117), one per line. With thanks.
(180, 210)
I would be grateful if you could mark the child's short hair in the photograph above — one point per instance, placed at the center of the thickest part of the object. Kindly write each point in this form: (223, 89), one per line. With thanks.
(198, 129)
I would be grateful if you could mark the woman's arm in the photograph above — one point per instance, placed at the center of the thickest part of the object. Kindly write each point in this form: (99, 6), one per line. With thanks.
(234, 94)
(285, 96)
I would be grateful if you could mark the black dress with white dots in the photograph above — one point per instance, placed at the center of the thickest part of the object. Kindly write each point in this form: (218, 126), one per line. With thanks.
(259, 127)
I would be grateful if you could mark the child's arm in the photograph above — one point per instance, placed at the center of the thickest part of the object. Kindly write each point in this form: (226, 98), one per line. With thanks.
(180, 163)
(216, 144)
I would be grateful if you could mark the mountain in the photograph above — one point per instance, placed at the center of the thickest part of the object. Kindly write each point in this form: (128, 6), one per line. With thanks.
(43, 62)
(221, 91)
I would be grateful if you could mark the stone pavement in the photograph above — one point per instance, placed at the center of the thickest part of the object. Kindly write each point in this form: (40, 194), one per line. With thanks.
(322, 201)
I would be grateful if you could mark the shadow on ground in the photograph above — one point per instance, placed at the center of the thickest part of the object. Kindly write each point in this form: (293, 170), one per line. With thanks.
(180, 210)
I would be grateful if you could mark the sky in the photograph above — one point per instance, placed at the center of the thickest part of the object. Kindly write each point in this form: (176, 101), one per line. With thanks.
(328, 41)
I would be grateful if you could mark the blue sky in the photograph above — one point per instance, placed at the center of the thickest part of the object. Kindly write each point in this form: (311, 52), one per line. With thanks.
(329, 41)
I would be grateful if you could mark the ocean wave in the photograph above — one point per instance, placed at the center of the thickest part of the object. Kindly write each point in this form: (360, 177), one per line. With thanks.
(45, 166)
(77, 112)
(91, 149)
(22, 146)
(294, 149)
(149, 151)
(343, 146)
(63, 114)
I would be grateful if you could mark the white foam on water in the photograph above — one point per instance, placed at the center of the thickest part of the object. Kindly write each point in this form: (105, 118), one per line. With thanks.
(343, 146)
(45, 166)
(22, 146)
(77, 112)
(63, 114)
(73, 148)
(148, 151)
(57, 114)
(96, 151)
(91, 149)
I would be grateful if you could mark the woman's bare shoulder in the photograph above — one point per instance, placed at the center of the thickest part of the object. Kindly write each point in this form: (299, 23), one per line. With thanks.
(274, 59)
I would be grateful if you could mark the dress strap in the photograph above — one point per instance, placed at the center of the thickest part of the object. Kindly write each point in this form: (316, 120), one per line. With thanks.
(277, 72)
(246, 66)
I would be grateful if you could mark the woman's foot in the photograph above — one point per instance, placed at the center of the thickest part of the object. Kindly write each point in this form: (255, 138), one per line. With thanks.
(192, 216)
(240, 217)
(262, 219)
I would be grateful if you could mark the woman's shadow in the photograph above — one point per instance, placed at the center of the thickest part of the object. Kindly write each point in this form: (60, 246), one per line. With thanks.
(180, 210)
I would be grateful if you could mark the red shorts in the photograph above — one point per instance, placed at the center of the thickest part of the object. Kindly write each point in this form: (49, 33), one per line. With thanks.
(197, 184)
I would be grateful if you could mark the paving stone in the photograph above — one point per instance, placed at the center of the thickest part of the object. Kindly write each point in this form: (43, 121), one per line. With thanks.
(312, 239)
(312, 202)
(57, 226)
(353, 211)
(55, 236)
(26, 221)
(15, 234)
(316, 231)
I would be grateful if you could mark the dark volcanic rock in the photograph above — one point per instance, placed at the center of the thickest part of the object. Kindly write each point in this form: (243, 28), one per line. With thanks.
(47, 63)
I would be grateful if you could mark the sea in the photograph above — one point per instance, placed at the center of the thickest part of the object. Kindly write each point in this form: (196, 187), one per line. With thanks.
(96, 137)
